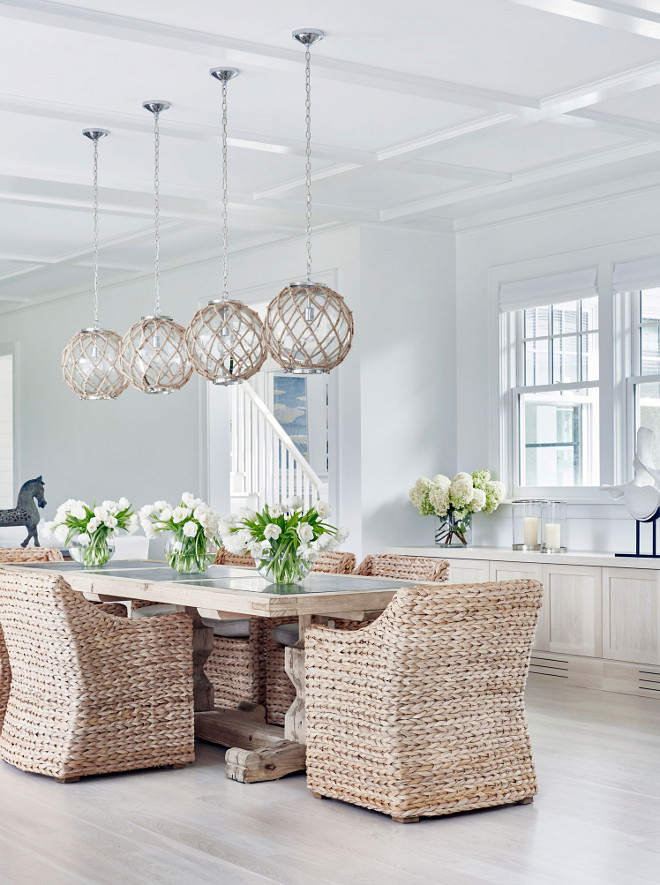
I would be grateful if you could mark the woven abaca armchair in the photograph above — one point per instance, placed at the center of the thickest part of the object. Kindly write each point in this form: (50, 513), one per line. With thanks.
(280, 693)
(95, 693)
(404, 568)
(18, 554)
(236, 666)
(421, 712)
(250, 667)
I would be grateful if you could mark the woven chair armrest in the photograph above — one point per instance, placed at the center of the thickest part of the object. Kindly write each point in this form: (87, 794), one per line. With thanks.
(332, 656)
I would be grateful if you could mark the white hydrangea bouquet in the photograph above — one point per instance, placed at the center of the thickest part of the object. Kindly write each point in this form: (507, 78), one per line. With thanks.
(88, 529)
(455, 500)
(284, 540)
(193, 530)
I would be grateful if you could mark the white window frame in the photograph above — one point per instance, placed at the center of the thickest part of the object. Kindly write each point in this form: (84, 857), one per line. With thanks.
(622, 272)
(512, 369)
(633, 364)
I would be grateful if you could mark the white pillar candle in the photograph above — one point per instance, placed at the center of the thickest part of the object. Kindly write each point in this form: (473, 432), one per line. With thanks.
(552, 536)
(531, 531)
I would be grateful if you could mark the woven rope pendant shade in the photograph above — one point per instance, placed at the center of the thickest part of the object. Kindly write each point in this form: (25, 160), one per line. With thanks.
(225, 342)
(309, 328)
(90, 364)
(154, 357)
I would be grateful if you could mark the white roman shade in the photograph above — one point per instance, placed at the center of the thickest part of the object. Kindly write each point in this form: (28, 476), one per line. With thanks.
(551, 289)
(643, 273)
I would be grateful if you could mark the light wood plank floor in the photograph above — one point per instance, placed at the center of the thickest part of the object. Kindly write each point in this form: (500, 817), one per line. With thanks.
(596, 820)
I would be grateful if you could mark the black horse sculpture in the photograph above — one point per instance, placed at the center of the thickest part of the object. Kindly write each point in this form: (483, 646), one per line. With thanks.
(25, 512)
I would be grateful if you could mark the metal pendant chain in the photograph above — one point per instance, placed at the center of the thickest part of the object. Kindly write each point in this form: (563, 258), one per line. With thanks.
(156, 214)
(308, 156)
(97, 324)
(225, 283)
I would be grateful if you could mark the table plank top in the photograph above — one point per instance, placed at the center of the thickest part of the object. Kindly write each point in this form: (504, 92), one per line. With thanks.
(226, 588)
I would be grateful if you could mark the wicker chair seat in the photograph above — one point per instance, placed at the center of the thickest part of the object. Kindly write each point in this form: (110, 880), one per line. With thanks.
(96, 693)
(287, 634)
(421, 712)
(232, 629)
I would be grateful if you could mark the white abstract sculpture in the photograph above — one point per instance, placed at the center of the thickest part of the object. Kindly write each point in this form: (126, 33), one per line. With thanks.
(642, 494)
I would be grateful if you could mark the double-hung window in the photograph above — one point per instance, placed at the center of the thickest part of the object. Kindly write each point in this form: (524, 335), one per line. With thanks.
(637, 284)
(644, 383)
(552, 390)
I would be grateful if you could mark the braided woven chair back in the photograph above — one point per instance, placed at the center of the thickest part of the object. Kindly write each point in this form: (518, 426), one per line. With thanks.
(421, 712)
(30, 554)
(335, 563)
(224, 557)
(91, 693)
(404, 568)
(18, 554)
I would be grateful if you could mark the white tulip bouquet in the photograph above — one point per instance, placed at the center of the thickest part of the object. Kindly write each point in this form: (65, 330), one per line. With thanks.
(193, 528)
(91, 528)
(284, 539)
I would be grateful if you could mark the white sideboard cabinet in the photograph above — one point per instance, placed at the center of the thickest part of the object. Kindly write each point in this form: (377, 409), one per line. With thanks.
(599, 625)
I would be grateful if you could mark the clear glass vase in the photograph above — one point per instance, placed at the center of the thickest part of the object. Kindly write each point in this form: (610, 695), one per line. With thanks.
(97, 552)
(283, 566)
(189, 556)
(454, 532)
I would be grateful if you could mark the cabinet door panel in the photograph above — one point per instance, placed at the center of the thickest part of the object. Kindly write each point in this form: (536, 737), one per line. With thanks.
(468, 571)
(631, 615)
(572, 616)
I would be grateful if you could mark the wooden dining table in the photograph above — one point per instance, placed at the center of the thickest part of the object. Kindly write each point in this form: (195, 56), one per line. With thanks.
(257, 751)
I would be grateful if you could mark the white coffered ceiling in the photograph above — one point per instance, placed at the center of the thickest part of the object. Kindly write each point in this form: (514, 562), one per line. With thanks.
(433, 114)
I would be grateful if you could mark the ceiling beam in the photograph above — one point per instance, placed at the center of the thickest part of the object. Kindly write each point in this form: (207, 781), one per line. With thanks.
(206, 132)
(154, 33)
(614, 123)
(616, 16)
(552, 108)
(523, 179)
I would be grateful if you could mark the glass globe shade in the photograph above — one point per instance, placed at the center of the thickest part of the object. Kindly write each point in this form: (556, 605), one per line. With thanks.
(225, 341)
(91, 364)
(309, 328)
(154, 356)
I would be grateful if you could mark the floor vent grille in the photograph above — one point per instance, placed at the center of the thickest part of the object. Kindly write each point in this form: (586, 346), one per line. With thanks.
(649, 681)
(555, 666)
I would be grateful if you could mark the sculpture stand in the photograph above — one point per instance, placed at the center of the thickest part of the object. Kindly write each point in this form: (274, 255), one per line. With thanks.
(655, 555)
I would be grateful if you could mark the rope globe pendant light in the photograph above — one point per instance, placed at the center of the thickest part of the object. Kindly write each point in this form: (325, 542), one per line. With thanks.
(225, 339)
(91, 360)
(309, 328)
(153, 351)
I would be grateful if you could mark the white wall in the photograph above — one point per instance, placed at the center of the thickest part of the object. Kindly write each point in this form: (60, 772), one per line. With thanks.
(407, 379)
(395, 391)
(416, 395)
(600, 233)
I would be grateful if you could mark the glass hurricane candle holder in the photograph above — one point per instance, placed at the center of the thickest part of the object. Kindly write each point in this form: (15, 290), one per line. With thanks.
(554, 527)
(526, 516)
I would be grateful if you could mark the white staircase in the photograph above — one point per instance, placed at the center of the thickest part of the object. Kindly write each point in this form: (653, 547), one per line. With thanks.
(266, 466)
